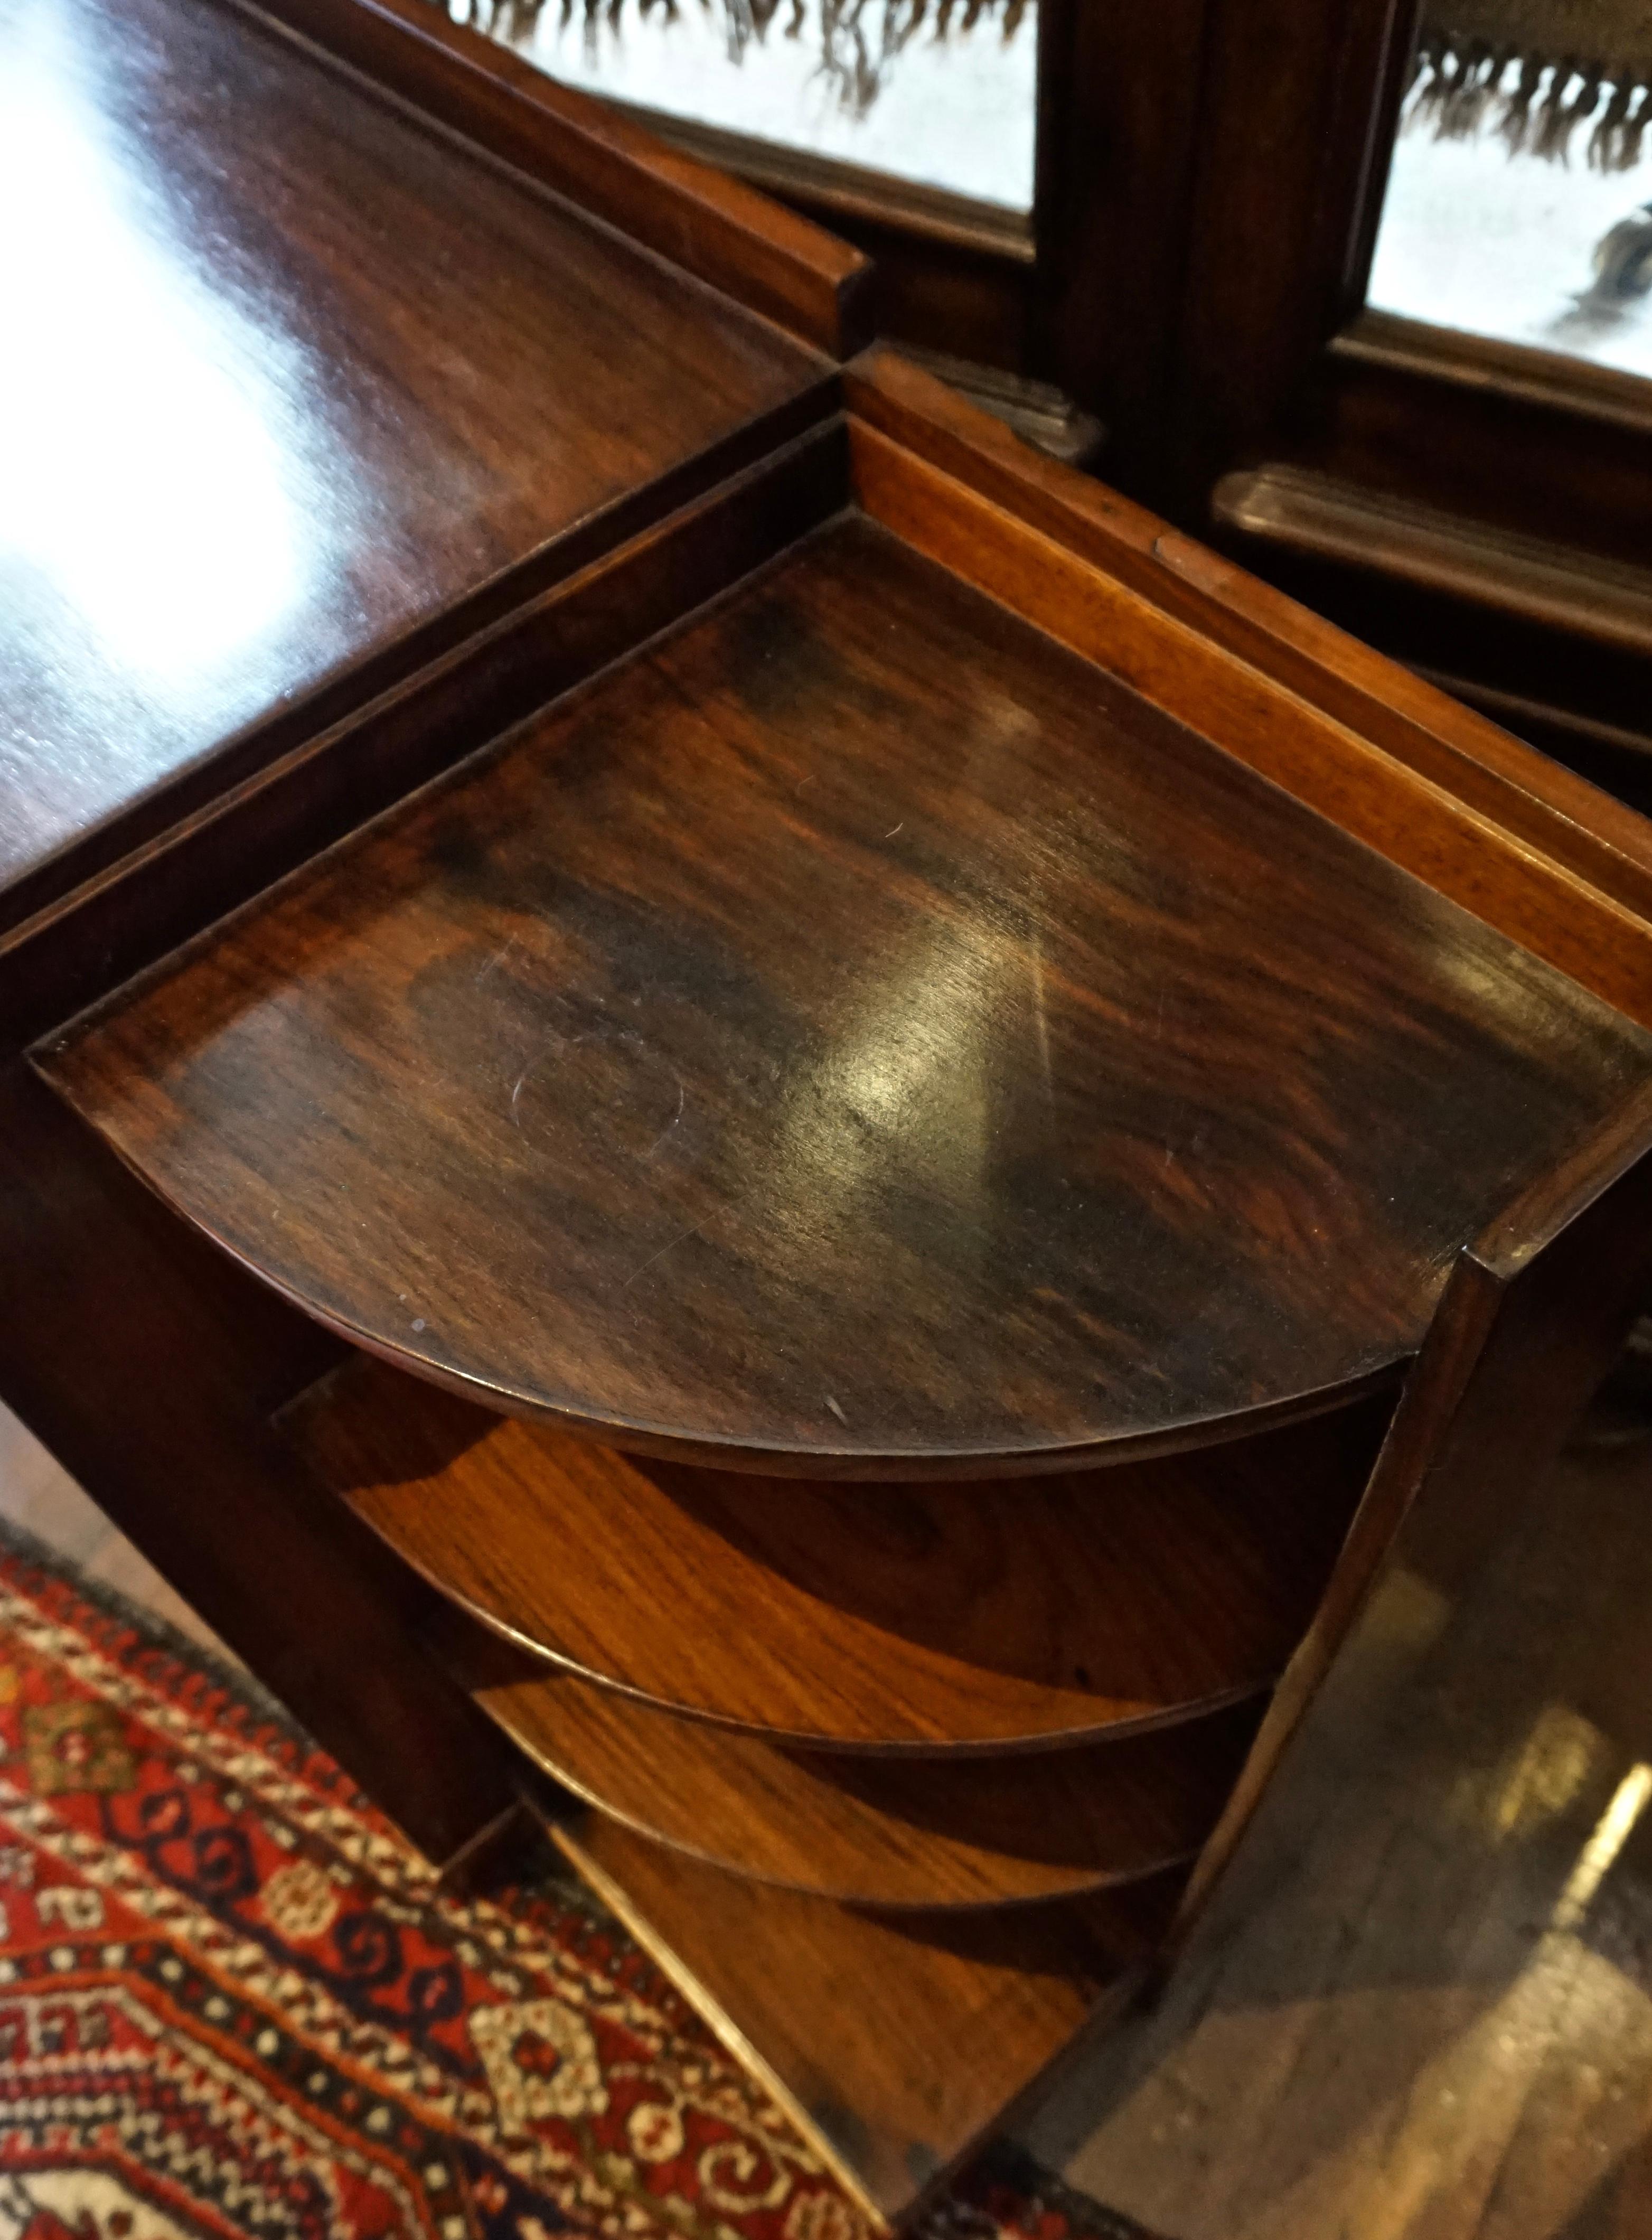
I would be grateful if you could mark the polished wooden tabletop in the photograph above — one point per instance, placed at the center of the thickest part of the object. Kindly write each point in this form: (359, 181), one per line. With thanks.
(858, 1035)
(286, 375)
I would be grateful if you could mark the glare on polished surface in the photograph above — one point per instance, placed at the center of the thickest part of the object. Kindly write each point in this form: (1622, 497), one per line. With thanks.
(160, 550)
(142, 477)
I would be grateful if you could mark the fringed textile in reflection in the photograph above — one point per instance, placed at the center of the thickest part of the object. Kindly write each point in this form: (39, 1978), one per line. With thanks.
(1542, 74)
(860, 41)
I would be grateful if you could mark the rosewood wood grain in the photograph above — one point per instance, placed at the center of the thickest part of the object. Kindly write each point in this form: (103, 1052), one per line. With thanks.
(907, 1832)
(991, 1618)
(696, 217)
(1534, 1314)
(1528, 579)
(1478, 862)
(858, 1037)
(1421, 727)
(249, 833)
(149, 1365)
(897, 2041)
(367, 380)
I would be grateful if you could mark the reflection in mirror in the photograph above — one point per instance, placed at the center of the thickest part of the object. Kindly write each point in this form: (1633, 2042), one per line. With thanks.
(937, 92)
(1520, 201)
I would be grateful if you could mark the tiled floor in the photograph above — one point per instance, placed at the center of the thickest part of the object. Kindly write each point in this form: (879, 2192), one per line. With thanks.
(42, 1498)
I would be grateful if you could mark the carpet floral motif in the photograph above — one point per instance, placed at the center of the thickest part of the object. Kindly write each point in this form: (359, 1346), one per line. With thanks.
(234, 2001)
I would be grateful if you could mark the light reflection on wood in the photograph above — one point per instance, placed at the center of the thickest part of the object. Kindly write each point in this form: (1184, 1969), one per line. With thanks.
(1420, 2009)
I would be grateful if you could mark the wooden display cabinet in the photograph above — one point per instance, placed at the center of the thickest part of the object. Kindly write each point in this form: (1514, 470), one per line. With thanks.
(809, 1128)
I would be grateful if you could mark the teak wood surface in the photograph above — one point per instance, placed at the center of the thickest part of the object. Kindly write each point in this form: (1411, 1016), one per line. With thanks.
(372, 388)
(925, 1833)
(990, 1617)
(858, 1035)
(899, 2041)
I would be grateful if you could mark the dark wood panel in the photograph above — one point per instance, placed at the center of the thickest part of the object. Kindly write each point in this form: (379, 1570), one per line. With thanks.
(699, 218)
(929, 1833)
(149, 1364)
(157, 897)
(1534, 898)
(364, 374)
(1526, 579)
(1296, 108)
(896, 2041)
(1536, 1312)
(1530, 440)
(859, 1037)
(1424, 730)
(986, 1618)
(1117, 121)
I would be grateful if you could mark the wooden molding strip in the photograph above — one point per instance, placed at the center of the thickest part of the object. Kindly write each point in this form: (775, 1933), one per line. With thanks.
(849, 190)
(1013, 1617)
(1515, 370)
(714, 226)
(896, 2043)
(1539, 805)
(1557, 586)
(926, 1833)
(1036, 411)
(212, 856)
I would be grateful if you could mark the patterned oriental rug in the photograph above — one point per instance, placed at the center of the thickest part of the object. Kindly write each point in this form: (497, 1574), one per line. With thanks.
(233, 2002)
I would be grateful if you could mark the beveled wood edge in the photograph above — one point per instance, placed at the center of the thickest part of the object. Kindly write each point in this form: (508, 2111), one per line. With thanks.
(1522, 371)
(1543, 1211)
(1460, 851)
(138, 915)
(1091, 1887)
(727, 2032)
(454, 1646)
(1047, 1742)
(1326, 517)
(832, 183)
(725, 233)
(1615, 1160)
(1410, 735)
(843, 1466)
(748, 453)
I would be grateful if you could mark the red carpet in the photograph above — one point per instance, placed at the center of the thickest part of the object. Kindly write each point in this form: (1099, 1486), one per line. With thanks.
(233, 2002)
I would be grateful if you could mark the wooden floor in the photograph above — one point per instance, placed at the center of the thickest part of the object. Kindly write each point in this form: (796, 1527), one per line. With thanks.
(1422, 2007)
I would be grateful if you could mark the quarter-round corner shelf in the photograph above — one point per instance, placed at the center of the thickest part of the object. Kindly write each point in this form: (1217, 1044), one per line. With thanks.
(856, 1035)
(859, 2022)
(982, 1618)
(926, 1833)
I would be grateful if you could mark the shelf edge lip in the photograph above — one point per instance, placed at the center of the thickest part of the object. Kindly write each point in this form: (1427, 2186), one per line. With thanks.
(1096, 1885)
(1046, 1742)
(776, 1459)
(333, 705)
(711, 2011)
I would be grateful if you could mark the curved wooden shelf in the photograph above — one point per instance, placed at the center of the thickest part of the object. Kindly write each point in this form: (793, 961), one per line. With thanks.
(857, 1036)
(894, 2041)
(983, 1618)
(929, 1833)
